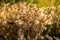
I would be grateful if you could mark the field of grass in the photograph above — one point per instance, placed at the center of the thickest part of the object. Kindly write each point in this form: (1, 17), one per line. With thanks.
(39, 3)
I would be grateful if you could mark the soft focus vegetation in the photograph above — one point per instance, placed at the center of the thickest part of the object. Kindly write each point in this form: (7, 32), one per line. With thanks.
(39, 3)
(29, 20)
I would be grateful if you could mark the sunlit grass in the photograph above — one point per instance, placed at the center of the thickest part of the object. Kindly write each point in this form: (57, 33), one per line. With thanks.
(39, 3)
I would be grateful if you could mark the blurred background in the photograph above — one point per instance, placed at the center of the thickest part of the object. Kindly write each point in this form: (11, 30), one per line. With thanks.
(39, 3)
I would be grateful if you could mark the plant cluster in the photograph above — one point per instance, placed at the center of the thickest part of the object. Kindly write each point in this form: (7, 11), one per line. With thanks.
(28, 22)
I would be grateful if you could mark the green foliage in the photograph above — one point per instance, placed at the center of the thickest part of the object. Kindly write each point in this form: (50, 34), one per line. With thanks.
(10, 1)
(39, 3)
(57, 2)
